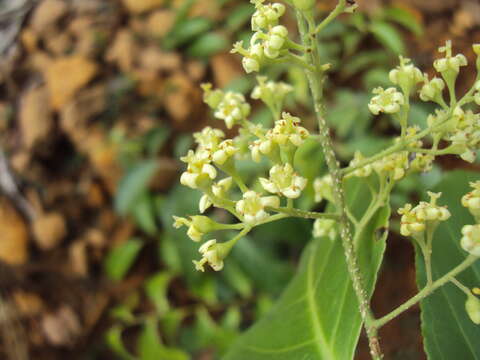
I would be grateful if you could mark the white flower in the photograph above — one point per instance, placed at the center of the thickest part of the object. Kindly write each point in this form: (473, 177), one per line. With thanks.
(219, 189)
(323, 188)
(414, 221)
(405, 75)
(284, 180)
(226, 149)
(471, 239)
(287, 130)
(252, 206)
(199, 171)
(471, 200)
(270, 91)
(449, 62)
(395, 165)
(204, 203)
(208, 138)
(363, 171)
(212, 254)
(274, 41)
(325, 227)
(232, 109)
(266, 15)
(432, 89)
(259, 147)
(197, 226)
(387, 101)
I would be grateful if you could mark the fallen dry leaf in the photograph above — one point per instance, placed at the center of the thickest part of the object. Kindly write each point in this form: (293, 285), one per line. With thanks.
(61, 328)
(14, 238)
(35, 117)
(47, 13)
(78, 258)
(140, 6)
(49, 229)
(181, 97)
(160, 22)
(28, 304)
(65, 76)
(123, 50)
(29, 40)
(58, 43)
(153, 59)
(225, 69)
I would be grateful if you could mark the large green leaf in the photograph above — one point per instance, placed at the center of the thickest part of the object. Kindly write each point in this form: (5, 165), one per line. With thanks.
(317, 316)
(448, 332)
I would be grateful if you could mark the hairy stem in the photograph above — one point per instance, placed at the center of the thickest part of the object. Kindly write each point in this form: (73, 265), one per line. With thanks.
(315, 79)
(427, 290)
(304, 214)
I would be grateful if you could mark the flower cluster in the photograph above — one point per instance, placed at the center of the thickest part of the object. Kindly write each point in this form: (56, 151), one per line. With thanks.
(323, 188)
(269, 39)
(425, 215)
(216, 155)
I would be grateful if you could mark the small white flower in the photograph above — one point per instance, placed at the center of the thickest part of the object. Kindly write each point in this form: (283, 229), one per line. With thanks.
(226, 149)
(260, 147)
(204, 203)
(432, 89)
(405, 75)
(325, 227)
(232, 109)
(323, 188)
(287, 130)
(387, 101)
(199, 171)
(212, 254)
(414, 221)
(221, 188)
(266, 15)
(364, 171)
(208, 138)
(285, 181)
(269, 91)
(449, 62)
(471, 200)
(275, 40)
(252, 206)
(471, 239)
(197, 226)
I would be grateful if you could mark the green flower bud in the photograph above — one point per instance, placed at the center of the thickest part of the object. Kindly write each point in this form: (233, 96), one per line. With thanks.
(472, 306)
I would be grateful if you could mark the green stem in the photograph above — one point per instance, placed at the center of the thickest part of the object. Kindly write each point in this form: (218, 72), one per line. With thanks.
(315, 79)
(293, 212)
(427, 290)
(462, 287)
(337, 11)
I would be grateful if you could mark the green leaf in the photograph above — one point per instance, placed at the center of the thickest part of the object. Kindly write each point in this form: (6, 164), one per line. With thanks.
(388, 36)
(121, 258)
(185, 31)
(156, 288)
(113, 337)
(150, 346)
(448, 331)
(317, 317)
(133, 185)
(144, 214)
(208, 45)
(404, 18)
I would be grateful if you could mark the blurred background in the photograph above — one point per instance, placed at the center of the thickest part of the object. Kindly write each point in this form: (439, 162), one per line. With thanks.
(99, 98)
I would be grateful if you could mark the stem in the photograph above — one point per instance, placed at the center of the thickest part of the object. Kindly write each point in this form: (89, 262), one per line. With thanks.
(427, 290)
(315, 79)
(337, 11)
(462, 287)
(304, 214)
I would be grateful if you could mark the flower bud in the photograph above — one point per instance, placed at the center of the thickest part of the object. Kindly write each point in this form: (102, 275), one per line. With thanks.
(387, 101)
(472, 306)
(325, 227)
(406, 75)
